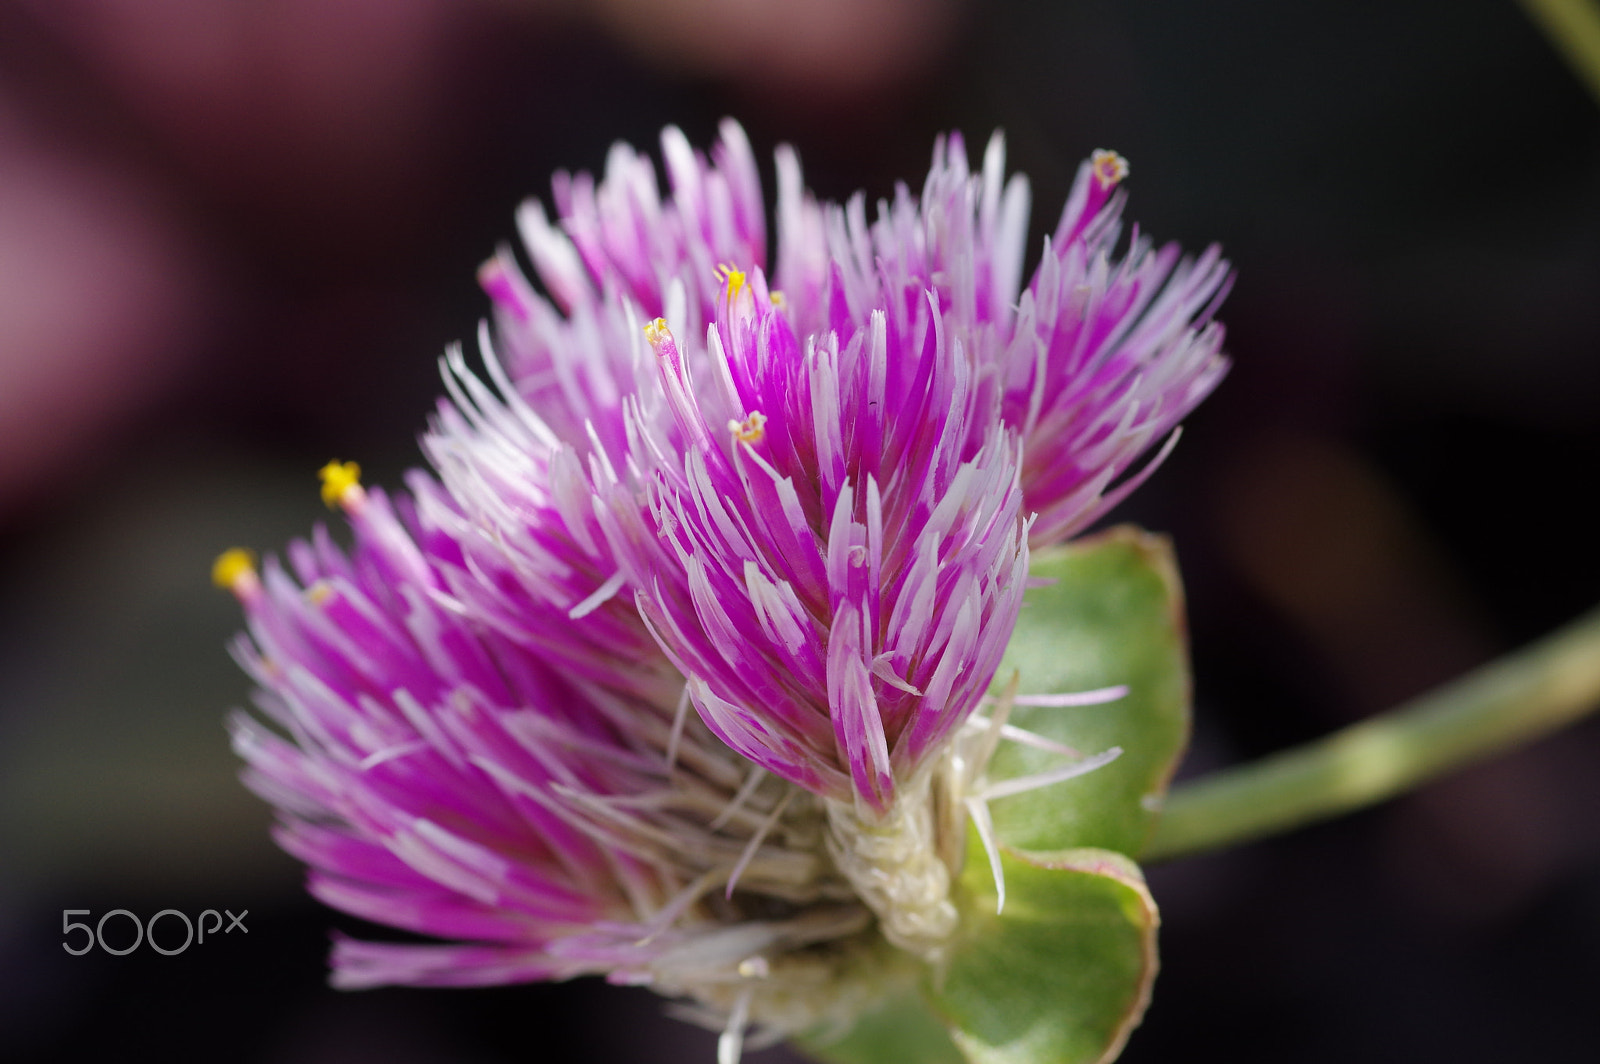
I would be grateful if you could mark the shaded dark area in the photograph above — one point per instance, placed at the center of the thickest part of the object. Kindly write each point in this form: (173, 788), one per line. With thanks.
(234, 240)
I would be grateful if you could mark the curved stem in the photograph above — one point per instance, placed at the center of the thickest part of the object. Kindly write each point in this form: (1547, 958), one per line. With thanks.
(1507, 702)
(1573, 26)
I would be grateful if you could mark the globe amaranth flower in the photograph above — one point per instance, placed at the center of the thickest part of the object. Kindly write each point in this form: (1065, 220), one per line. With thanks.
(672, 672)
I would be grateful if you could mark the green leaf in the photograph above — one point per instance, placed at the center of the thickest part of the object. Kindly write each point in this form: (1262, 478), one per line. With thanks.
(1114, 615)
(1064, 974)
(903, 1029)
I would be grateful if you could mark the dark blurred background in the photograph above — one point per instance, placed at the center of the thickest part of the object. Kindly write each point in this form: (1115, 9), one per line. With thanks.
(234, 237)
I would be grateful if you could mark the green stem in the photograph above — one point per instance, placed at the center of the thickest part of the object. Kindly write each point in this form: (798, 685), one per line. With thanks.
(1573, 26)
(1507, 702)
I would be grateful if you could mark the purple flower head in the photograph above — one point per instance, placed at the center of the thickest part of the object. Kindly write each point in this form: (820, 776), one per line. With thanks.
(837, 473)
(801, 506)
(839, 550)
(440, 778)
(1089, 365)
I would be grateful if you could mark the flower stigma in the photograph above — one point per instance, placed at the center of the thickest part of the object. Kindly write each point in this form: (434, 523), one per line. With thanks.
(733, 279)
(659, 336)
(751, 429)
(1109, 168)
(341, 484)
(235, 570)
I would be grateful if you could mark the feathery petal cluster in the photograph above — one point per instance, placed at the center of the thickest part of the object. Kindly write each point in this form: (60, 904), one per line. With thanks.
(440, 779)
(803, 506)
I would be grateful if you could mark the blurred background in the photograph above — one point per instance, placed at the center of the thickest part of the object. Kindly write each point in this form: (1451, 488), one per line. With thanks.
(234, 238)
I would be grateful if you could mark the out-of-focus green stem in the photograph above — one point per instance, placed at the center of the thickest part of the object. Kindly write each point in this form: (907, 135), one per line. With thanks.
(1574, 27)
(1508, 702)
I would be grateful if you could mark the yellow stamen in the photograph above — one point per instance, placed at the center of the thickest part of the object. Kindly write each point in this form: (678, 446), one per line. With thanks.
(337, 479)
(232, 566)
(777, 299)
(1109, 168)
(751, 429)
(657, 333)
(319, 592)
(733, 278)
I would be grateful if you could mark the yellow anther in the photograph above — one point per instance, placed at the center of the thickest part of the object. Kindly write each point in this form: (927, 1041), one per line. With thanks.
(657, 333)
(337, 478)
(319, 592)
(777, 298)
(733, 278)
(1109, 168)
(232, 566)
(751, 429)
